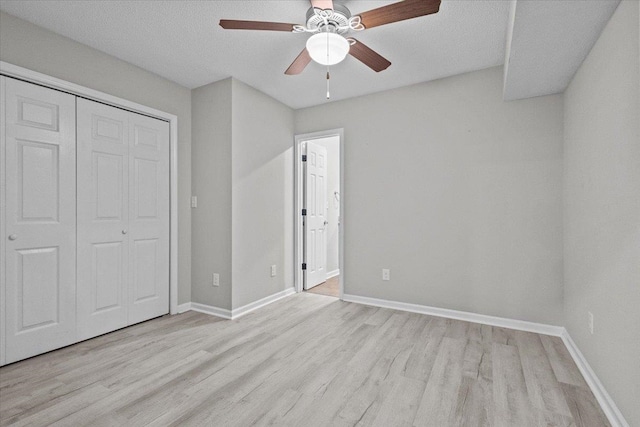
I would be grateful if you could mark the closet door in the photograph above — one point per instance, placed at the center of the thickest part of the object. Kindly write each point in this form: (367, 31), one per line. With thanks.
(123, 218)
(148, 218)
(103, 223)
(38, 131)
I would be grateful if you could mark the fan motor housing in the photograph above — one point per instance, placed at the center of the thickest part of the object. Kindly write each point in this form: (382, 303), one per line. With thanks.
(337, 19)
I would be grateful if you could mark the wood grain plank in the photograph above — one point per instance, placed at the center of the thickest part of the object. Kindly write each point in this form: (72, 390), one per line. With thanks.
(564, 368)
(441, 393)
(543, 389)
(304, 360)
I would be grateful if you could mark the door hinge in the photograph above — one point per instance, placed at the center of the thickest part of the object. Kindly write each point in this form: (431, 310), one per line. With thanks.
(304, 157)
(304, 265)
(304, 212)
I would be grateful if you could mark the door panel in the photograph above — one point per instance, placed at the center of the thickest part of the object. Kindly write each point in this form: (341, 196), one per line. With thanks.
(107, 269)
(146, 197)
(37, 188)
(316, 219)
(103, 196)
(40, 223)
(146, 263)
(148, 218)
(37, 288)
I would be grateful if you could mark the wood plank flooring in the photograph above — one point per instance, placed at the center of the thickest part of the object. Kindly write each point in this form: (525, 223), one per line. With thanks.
(330, 288)
(307, 360)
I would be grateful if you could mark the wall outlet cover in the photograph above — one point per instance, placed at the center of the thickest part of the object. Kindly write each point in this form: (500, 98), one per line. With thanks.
(216, 279)
(386, 274)
(273, 270)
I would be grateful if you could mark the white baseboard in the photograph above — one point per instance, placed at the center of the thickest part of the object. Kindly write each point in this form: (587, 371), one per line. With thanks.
(607, 404)
(209, 309)
(333, 273)
(502, 322)
(609, 407)
(184, 307)
(238, 312)
(241, 311)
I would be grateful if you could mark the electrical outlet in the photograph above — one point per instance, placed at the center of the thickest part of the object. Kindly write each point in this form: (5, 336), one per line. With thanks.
(591, 322)
(273, 270)
(386, 274)
(194, 201)
(216, 279)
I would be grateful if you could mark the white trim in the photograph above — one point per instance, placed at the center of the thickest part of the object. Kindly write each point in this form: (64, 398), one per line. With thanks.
(245, 309)
(209, 309)
(607, 404)
(297, 205)
(333, 274)
(183, 308)
(25, 74)
(240, 311)
(502, 322)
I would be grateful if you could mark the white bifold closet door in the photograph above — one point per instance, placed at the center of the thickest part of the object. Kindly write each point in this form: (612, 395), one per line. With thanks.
(123, 218)
(39, 137)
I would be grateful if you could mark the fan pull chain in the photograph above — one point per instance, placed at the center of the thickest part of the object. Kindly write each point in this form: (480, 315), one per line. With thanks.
(328, 77)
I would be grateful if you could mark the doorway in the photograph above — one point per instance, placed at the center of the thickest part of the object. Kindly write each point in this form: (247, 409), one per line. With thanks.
(319, 208)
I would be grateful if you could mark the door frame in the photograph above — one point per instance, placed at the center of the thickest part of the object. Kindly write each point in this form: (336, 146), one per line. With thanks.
(35, 77)
(298, 202)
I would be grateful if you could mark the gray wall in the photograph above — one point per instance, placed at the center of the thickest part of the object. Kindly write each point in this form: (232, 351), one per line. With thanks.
(602, 208)
(262, 197)
(35, 48)
(332, 144)
(454, 190)
(211, 183)
(243, 177)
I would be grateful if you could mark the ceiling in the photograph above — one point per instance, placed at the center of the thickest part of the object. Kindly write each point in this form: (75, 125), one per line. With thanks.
(570, 28)
(182, 41)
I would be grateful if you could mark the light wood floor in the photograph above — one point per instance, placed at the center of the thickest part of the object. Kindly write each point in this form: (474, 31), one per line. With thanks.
(330, 288)
(307, 360)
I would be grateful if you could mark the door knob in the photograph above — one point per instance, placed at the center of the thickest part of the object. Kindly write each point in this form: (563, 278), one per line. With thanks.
(13, 237)
(124, 231)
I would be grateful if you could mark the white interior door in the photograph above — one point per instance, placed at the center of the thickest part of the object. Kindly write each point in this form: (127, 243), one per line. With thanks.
(39, 138)
(148, 218)
(316, 219)
(103, 218)
(123, 218)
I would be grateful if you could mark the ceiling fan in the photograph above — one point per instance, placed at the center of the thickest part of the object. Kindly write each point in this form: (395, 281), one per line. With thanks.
(329, 22)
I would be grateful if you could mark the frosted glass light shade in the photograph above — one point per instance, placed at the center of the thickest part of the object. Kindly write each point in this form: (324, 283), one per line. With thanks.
(337, 46)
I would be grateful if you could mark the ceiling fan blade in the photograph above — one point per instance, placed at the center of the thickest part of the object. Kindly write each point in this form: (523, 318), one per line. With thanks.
(231, 24)
(299, 64)
(368, 57)
(322, 4)
(400, 11)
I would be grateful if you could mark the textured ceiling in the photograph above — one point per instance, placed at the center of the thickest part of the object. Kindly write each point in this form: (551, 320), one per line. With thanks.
(181, 41)
(548, 41)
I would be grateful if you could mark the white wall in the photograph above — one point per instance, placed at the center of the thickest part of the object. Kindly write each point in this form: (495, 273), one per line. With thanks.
(332, 144)
(35, 48)
(211, 183)
(262, 195)
(602, 208)
(454, 190)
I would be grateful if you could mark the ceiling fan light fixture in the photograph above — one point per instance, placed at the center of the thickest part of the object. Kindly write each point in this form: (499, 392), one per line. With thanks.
(327, 48)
